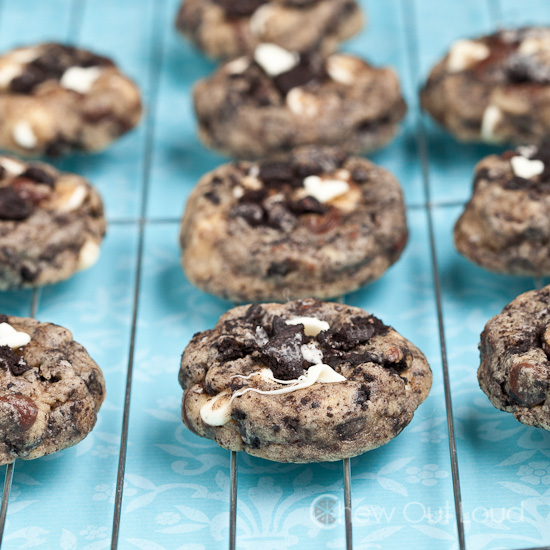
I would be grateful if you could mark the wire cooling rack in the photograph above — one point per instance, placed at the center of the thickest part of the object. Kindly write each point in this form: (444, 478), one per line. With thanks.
(141, 480)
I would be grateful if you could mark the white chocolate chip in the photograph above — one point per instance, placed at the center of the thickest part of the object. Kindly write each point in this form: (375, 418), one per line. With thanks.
(342, 68)
(526, 168)
(466, 53)
(75, 199)
(532, 45)
(254, 171)
(527, 151)
(491, 118)
(251, 182)
(275, 60)
(259, 19)
(89, 254)
(12, 338)
(301, 103)
(8, 73)
(312, 325)
(312, 353)
(80, 79)
(14, 167)
(325, 190)
(238, 66)
(24, 136)
(238, 192)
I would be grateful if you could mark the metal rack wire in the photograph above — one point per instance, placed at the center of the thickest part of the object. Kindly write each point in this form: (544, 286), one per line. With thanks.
(409, 14)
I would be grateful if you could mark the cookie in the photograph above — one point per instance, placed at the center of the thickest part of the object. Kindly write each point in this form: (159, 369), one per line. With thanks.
(50, 390)
(505, 226)
(256, 107)
(304, 381)
(514, 348)
(51, 224)
(494, 88)
(315, 223)
(55, 99)
(225, 29)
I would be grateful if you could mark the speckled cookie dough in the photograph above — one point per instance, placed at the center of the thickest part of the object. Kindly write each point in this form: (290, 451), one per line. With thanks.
(275, 100)
(55, 99)
(305, 381)
(315, 223)
(494, 88)
(51, 224)
(514, 370)
(506, 225)
(50, 389)
(225, 29)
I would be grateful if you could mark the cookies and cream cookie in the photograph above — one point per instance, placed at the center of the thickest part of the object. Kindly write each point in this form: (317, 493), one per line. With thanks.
(51, 224)
(225, 29)
(505, 226)
(276, 99)
(514, 370)
(50, 389)
(315, 223)
(55, 99)
(494, 88)
(303, 381)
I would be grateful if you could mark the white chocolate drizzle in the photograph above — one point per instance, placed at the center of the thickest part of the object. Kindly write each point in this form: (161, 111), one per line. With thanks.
(221, 415)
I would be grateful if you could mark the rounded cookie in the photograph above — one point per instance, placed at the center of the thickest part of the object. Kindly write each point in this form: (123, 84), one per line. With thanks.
(51, 224)
(275, 100)
(304, 381)
(494, 88)
(50, 389)
(505, 226)
(514, 348)
(55, 99)
(225, 29)
(315, 223)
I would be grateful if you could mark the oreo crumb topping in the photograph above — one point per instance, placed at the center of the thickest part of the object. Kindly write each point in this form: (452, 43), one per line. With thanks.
(52, 63)
(278, 344)
(283, 177)
(9, 360)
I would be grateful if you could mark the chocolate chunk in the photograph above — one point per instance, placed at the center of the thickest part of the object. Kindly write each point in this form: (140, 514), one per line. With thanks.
(283, 353)
(528, 384)
(3, 172)
(281, 269)
(308, 68)
(239, 8)
(317, 161)
(346, 337)
(254, 315)
(307, 205)
(12, 206)
(280, 218)
(360, 175)
(10, 360)
(230, 349)
(276, 173)
(212, 197)
(27, 80)
(349, 430)
(252, 213)
(25, 408)
(29, 273)
(4, 318)
(362, 396)
(39, 175)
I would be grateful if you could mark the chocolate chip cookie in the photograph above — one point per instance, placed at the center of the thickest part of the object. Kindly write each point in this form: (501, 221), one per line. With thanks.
(514, 370)
(55, 99)
(51, 224)
(506, 225)
(50, 389)
(276, 99)
(494, 88)
(316, 223)
(305, 381)
(225, 29)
